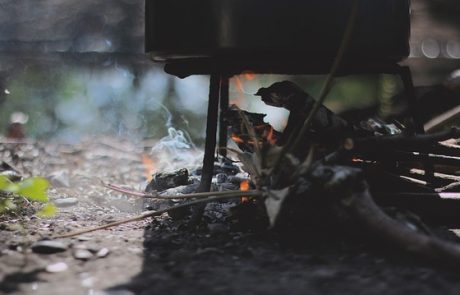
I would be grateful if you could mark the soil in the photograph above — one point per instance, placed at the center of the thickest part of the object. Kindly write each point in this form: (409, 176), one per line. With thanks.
(165, 256)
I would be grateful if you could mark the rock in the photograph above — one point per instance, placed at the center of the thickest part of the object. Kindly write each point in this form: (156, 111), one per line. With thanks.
(49, 247)
(82, 254)
(103, 253)
(84, 238)
(59, 178)
(11, 175)
(164, 180)
(57, 267)
(67, 202)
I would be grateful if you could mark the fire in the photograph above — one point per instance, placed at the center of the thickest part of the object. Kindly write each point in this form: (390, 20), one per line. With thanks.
(248, 75)
(265, 133)
(244, 186)
(148, 166)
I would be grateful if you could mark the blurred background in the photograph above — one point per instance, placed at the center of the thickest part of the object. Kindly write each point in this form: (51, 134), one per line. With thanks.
(73, 69)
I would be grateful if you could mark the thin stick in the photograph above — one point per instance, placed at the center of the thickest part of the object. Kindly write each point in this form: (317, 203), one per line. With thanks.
(294, 141)
(328, 83)
(402, 140)
(155, 213)
(170, 197)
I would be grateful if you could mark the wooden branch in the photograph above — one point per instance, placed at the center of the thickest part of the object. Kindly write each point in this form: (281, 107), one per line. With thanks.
(403, 141)
(392, 156)
(157, 213)
(346, 189)
(441, 121)
(378, 224)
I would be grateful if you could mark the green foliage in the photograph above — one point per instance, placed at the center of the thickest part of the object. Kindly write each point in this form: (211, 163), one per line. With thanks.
(32, 189)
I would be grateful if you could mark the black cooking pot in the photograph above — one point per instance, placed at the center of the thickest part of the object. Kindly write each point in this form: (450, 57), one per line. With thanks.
(178, 29)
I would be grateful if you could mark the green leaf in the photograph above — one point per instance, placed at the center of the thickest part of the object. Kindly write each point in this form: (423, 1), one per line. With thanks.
(47, 211)
(34, 189)
(4, 182)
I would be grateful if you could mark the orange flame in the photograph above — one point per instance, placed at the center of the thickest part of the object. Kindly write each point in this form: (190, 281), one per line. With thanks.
(148, 166)
(244, 186)
(265, 133)
(249, 75)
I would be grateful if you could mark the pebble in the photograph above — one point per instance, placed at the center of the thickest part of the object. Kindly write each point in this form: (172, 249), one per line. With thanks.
(84, 238)
(59, 178)
(49, 247)
(67, 202)
(57, 267)
(103, 252)
(82, 254)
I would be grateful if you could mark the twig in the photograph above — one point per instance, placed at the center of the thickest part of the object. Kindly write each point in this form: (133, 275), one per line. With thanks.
(442, 120)
(455, 186)
(392, 156)
(173, 197)
(440, 195)
(294, 140)
(404, 141)
(156, 213)
(328, 83)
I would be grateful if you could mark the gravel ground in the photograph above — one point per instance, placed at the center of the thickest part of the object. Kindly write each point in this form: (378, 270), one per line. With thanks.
(164, 256)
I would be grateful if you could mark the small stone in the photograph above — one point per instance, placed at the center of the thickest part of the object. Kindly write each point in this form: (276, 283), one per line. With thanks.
(67, 202)
(103, 253)
(48, 247)
(59, 178)
(84, 238)
(57, 267)
(82, 254)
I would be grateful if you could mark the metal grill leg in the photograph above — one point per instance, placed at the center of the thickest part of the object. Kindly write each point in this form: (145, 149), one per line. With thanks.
(210, 146)
(406, 77)
(211, 133)
(224, 101)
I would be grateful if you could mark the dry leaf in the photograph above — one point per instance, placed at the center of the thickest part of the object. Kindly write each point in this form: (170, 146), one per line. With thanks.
(274, 202)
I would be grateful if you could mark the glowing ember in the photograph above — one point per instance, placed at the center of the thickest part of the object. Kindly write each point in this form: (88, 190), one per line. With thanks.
(244, 186)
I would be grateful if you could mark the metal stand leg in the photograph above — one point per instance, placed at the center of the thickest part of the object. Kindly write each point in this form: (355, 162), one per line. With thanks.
(406, 77)
(211, 133)
(210, 146)
(224, 101)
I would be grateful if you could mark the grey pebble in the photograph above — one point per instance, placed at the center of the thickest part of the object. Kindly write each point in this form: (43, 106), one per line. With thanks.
(49, 247)
(103, 253)
(82, 254)
(67, 202)
(57, 267)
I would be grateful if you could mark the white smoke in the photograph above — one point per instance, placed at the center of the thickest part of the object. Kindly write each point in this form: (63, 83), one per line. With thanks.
(176, 150)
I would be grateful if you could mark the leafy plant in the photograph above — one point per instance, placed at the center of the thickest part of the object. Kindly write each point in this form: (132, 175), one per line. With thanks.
(12, 195)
